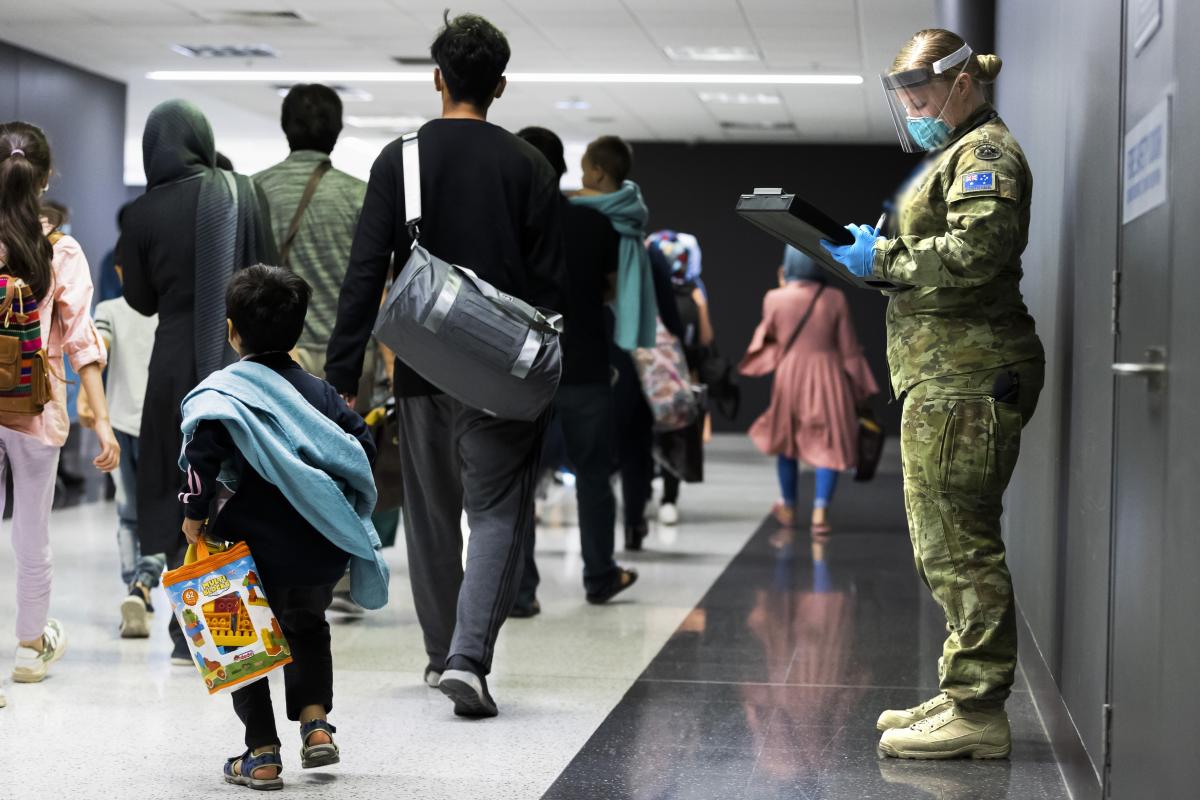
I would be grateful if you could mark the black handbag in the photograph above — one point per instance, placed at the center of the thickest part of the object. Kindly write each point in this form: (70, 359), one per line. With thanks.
(681, 452)
(388, 482)
(717, 374)
(871, 437)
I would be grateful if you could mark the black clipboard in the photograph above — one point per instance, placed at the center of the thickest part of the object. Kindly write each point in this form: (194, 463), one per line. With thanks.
(802, 225)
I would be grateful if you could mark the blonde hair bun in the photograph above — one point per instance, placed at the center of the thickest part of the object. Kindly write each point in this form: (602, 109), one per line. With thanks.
(989, 67)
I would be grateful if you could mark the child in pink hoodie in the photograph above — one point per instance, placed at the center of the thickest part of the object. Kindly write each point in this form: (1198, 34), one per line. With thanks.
(55, 269)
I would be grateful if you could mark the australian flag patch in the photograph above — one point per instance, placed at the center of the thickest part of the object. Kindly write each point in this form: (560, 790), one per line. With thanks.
(978, 182)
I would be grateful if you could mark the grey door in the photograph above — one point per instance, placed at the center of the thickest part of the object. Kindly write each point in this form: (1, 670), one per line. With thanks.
(1153, 669)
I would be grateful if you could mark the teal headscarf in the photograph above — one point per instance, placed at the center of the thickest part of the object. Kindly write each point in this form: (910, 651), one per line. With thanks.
(636, 308)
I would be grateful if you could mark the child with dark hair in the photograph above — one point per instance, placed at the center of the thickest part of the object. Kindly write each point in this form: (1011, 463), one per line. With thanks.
(48, 292)
(607, 163)
(300, 460)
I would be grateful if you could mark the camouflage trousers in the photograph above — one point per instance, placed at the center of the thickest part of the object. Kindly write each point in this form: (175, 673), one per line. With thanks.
(959, 445)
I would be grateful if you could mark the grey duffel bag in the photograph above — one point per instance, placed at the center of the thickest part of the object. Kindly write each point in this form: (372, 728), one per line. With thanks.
(477, 344)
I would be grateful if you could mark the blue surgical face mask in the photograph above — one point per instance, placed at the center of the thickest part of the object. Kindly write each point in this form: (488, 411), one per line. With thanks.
(929, 133)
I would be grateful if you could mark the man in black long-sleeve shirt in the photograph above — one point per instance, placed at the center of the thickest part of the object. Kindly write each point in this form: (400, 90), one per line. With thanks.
(490, 203)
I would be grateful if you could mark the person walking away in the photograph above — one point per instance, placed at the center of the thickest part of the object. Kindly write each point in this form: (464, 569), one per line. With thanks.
(181, 242)
(807, 339)
(682, 253)
(966, 360)
(128, 338)
(48, 292)
(314, 210)
(319, 249)
(490, 202)
(606, 165)
(303, 505)
(583, 404)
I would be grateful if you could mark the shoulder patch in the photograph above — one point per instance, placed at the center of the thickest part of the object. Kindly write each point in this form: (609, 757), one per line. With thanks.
(987, 152)
(978, 182)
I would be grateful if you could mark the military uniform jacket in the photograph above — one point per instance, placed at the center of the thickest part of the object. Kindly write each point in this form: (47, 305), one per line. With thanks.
(963, 224)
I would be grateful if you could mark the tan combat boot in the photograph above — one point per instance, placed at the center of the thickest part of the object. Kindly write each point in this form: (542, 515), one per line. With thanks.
(952, 733)
(893, 718)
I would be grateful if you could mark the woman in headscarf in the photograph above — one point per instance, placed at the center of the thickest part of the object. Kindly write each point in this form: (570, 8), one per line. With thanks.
(807, 339)
(181, 242)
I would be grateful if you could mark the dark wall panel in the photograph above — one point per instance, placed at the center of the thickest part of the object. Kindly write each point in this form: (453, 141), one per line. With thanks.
(84, 116)
(1058, 507)
(694, 188)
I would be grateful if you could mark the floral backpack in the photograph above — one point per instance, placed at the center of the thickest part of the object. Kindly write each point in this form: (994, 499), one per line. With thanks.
(24, 365)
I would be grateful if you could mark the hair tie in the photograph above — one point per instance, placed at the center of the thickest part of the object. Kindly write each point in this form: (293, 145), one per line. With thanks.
(16, 151)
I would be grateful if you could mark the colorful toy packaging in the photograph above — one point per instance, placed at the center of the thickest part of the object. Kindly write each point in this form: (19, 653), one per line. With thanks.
(231, 630)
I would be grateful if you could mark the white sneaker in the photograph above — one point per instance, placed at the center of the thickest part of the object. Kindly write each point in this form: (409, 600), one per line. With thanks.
(668, 514)
(31, 666)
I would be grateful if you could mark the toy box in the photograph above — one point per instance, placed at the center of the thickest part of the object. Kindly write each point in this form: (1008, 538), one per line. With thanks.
(230, 628)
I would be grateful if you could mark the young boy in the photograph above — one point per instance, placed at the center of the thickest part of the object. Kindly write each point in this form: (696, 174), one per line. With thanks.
(129, 338)
(303, 499)
(606, 164)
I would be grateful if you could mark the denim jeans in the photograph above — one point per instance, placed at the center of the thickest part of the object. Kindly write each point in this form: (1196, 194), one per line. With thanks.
(144, 569)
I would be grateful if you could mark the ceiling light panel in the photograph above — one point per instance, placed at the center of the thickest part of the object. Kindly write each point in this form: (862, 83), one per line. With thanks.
(714, 53)
(611, 78)
(241, 51)
(740, 98)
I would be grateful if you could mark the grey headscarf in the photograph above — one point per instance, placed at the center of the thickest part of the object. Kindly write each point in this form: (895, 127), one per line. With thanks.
(178, 146)
(798, 266)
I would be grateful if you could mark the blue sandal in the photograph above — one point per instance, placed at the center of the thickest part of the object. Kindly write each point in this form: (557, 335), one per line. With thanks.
(318, 755)
(240, 770)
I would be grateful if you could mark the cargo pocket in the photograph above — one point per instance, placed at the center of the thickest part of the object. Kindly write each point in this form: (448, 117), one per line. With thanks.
(983, 441)
(39, 383)
(10, 363)
(476, 326)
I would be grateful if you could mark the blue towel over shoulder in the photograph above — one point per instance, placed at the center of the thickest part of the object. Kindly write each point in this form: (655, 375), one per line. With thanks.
(319, 468)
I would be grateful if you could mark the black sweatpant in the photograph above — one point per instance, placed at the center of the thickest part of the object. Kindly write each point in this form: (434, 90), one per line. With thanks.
(634, 427)
(455, 458)
(308, 680)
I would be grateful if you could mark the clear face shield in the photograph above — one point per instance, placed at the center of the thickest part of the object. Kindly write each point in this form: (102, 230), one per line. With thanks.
(918, 97)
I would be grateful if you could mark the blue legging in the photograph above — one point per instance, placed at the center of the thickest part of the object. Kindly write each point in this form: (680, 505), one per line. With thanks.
(789, 474)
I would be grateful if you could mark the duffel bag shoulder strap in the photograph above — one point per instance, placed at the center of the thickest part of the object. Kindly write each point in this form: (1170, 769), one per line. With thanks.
(410, 162)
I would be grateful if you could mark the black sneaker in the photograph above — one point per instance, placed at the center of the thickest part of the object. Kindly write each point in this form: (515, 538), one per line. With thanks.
(469, 693)
(181, 656)
(520, 611)
(634, 534)
(135, 613)
(620, 582)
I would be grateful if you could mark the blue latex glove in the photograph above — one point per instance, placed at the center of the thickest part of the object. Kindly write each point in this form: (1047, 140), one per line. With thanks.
(857, 258)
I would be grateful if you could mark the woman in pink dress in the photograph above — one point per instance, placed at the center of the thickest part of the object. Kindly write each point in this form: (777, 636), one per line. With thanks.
(820, 380)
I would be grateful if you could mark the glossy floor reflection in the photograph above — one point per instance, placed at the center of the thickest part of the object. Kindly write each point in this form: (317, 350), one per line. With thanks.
(770, 688)
(115, 719)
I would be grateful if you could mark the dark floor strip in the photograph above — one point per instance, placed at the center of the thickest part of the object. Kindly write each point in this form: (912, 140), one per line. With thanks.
(771, 686)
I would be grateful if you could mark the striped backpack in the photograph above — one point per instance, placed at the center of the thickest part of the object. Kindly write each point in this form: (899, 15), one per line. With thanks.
(24, 366)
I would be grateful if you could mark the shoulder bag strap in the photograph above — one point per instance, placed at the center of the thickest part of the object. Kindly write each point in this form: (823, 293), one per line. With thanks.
(803, 320)
(410, 156)
(309, 190)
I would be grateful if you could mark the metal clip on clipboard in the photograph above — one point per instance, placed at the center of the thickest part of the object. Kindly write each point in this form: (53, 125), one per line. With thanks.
(793, 221)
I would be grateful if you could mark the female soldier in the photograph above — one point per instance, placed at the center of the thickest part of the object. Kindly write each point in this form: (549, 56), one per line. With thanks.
(968, 364)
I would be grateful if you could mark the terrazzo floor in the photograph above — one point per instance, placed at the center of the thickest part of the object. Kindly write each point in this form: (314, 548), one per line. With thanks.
(115, 719)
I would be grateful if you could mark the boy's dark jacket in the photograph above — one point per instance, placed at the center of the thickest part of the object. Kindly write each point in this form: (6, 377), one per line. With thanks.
(299, 460)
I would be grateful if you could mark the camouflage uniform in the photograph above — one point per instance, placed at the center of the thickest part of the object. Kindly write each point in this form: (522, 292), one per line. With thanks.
(961, 332)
